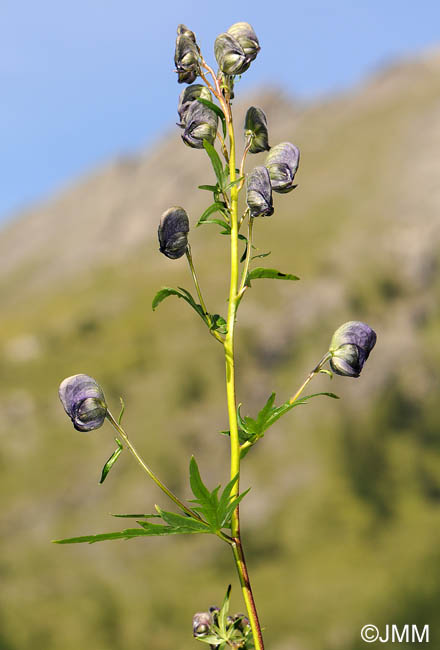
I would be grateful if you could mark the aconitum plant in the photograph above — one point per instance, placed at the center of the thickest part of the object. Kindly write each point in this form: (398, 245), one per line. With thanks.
(206, 120)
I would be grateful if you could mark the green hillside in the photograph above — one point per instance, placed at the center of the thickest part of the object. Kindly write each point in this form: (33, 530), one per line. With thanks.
(342, 524)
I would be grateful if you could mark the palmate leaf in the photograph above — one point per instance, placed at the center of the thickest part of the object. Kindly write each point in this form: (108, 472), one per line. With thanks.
(278, 411)
(251, 429)
(217, 511)
(174, 524)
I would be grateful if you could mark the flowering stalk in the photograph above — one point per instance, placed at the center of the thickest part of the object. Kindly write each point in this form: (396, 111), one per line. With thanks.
(83, 398)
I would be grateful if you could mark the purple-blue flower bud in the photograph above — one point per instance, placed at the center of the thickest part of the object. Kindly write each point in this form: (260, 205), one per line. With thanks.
(245, 35)
(186, 56)
(350, 347)
(83, 401)
(173, 232)
(255, 127)
(230, 56)
(189, 95)
(282, 162)
(201, 124)
(259, 193)
(202, 622)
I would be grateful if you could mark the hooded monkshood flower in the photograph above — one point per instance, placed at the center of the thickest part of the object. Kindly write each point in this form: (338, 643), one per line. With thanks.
(189, 95)
(83, 401)
(230, 56)
(350, 346)
(255, 126)
(259, 193)
(186, 56)
(201, 124)
(173, 232)
(247, 38)
(282, 162)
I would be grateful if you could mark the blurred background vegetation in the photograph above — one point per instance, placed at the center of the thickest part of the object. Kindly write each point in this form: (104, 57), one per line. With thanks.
(342, 522)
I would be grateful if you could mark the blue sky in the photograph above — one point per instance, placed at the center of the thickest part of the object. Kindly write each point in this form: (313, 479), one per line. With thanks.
(85, 80)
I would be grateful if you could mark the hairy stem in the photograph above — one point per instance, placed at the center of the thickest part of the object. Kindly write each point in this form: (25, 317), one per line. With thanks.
(230, 392)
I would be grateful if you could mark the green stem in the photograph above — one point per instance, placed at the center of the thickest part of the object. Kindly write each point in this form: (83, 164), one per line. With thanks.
(223, 146)
(232, 409)
(196, 282)
(214, 333)
(240, 562)
(245, 153)
(312, 374)
(243, 285)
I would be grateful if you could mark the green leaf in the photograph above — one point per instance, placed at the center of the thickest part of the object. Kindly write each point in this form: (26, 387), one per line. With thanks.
(236, 182)
(230, 509)
(111, 461)
(216, 110)
(216, 162)
(250, 429)
(180, 293)
(219, 323)
(135, 516)
(209, 188)
(221, 223)
(198, 488)
(185, 524)
(160, 529)
(217, 206)
(254, 257)
(273, 274)
(287, 406)
(212, 639)
(225, 500)
(121, 414)
(223, 613)
(129, 533)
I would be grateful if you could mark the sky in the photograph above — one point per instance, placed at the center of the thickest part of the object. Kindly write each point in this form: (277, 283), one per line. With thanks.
(83, 81)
